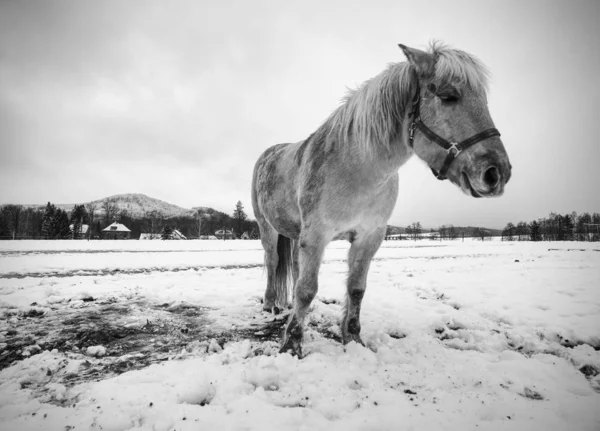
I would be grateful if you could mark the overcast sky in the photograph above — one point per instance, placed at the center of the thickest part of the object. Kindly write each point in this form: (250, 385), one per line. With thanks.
(176, 100)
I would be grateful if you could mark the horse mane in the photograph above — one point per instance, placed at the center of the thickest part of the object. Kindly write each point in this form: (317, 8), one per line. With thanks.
(372, 114)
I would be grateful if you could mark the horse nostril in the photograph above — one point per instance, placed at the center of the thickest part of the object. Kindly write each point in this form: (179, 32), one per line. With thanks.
(491, 177)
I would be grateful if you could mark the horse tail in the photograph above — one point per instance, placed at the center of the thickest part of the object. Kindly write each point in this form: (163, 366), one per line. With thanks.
(283, 272)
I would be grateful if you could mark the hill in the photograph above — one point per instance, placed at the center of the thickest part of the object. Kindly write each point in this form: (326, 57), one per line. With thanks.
(136, 205)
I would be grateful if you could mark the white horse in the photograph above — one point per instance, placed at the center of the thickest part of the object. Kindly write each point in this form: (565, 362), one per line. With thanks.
(343, 179)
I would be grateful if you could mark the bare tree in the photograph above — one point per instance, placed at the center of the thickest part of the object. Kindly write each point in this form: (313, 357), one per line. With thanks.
(443, 232)
(110, 208)
(481, 233)
(13, 213)
(153, 222)
(452, 232)
(200, 217)
(91, 208)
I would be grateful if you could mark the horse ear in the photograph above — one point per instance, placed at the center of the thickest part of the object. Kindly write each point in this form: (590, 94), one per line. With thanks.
(421, 60)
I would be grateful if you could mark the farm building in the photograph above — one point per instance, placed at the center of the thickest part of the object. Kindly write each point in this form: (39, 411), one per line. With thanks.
(208, 237)
(227, 234)
(83, 231)
(148, 236)
(175, 234)
(116, 231)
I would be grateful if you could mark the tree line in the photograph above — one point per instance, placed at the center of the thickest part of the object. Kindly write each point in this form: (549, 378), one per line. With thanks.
(556, 227)
(415, 231)
(53, 222)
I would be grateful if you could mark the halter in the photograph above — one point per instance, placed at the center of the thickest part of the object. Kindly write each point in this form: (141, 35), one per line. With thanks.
(452, 148)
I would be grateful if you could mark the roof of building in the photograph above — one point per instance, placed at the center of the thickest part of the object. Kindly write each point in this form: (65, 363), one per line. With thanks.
(82, 228)
(177, 235)
(116, 227)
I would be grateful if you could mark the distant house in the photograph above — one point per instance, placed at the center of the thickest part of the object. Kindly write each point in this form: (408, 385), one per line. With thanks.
(250, 235)
(83, 230)
(175, 234)
(148, 236)
(225, 234)
(116, 231)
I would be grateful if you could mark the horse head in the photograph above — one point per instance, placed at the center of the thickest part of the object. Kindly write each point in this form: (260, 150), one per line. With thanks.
(452, 130)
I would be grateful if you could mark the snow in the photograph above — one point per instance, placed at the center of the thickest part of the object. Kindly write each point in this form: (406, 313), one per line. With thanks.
(459, 335)
(96, 350)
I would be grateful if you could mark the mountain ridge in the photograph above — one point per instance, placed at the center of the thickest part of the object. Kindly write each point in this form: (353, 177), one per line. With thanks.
(137, 205)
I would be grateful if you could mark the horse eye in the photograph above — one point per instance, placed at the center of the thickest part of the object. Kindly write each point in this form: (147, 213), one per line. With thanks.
(448, 97)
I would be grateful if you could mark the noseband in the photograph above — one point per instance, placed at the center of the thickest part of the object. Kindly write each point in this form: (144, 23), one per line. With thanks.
(453, 149)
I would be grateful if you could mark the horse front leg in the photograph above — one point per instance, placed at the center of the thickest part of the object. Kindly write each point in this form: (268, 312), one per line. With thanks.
(361, 252)
(310, 252)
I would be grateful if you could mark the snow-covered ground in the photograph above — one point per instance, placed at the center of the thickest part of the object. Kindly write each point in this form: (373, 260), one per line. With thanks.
(153, 335)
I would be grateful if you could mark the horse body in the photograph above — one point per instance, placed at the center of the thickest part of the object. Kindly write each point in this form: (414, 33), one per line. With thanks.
(344, 179)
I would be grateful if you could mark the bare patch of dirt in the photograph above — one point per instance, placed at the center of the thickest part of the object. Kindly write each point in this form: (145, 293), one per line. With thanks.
(133, 334)
(135, 327)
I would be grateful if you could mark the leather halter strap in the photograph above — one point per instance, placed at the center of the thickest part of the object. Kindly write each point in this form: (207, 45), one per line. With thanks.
(453, 148)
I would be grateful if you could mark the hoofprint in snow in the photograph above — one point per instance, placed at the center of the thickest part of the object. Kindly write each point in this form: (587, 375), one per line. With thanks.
(170, 336)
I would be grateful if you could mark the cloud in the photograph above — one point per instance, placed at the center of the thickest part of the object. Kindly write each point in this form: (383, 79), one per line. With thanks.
(178, 99)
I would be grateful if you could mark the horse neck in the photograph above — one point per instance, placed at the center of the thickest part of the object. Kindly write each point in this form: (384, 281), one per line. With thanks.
(382, 161)
(380, 137)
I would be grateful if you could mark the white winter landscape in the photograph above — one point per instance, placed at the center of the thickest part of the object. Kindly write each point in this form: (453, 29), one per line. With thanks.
(165, 335)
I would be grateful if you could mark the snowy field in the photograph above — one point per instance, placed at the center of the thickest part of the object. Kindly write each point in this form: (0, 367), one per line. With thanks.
(153, 335)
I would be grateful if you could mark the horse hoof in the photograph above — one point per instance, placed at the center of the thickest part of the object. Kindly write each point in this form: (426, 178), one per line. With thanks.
(353, 337)
(293, 348)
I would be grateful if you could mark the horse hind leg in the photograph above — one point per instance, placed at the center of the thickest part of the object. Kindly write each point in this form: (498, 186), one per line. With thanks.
(268, 239)
(279, 264)
(361, 252)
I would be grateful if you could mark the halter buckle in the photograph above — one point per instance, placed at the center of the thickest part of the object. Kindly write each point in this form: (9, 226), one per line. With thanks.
(454, 146)
(411, 130)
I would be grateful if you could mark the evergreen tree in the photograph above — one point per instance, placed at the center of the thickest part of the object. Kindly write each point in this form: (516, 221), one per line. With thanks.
(166, 232)
(78, 216)
(60, 225)
(522, 230)
(509, 232)
(48, 221)
(566, 227)
(4, 227)
(535, 233)
(239, 216)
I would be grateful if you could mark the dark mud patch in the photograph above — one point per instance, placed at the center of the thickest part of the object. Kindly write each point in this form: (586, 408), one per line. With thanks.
(532, 395)
(133, 335)
(136, 327)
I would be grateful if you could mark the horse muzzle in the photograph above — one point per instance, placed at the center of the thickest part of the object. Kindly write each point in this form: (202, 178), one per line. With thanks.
(487, 182)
